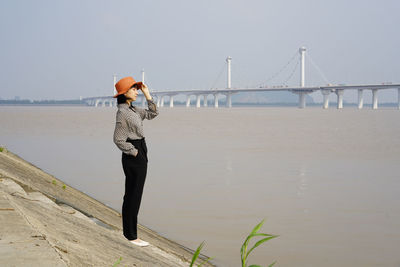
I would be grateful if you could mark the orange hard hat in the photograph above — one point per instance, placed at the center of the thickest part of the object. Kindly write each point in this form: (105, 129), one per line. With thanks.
(126, 83)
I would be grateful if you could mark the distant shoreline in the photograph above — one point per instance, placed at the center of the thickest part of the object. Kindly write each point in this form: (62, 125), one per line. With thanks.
(46, 105)
(26, 102)
(221, 104)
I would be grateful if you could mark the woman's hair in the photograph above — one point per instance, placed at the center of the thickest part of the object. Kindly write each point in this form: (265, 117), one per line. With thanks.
(121, 99)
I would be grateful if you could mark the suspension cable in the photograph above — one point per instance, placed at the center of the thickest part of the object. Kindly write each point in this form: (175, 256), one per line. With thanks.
(318, 69)
(219, 76)
(241, 75)
(291, 75)
(279, 71)
(148, 83)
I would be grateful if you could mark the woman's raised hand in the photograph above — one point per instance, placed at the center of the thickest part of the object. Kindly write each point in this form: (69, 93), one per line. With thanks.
(146, 92)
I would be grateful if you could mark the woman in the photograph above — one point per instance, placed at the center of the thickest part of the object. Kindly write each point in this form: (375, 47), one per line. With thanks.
(129, 138)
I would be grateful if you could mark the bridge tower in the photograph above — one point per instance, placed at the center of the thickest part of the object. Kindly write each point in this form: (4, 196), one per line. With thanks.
(302, 95)
(228, 60)
(115, 81)
(302, 51)
(229, 95)
(142, 75)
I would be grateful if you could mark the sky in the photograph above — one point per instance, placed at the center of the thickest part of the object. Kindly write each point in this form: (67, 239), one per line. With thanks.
(68, 49)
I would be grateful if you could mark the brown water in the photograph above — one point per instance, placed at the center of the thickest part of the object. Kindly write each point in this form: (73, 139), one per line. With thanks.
(327, 181)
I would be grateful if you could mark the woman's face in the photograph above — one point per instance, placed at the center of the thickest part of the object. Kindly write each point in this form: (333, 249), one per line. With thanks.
(132, 94)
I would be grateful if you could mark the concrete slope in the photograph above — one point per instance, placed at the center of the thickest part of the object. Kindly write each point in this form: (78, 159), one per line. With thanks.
(39, 219)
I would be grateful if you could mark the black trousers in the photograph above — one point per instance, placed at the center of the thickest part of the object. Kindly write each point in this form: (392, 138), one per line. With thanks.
(135, 169)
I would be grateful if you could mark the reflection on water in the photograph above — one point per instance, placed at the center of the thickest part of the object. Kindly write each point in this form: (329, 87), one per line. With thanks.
(302, 183)
(326, 180)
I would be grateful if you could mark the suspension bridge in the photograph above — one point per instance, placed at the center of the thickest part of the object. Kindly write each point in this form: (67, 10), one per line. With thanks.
(227, 92)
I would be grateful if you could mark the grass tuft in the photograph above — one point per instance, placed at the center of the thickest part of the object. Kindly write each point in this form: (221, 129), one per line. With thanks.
(117, 262)
(196, 255)
(244, 254)
(243, 251)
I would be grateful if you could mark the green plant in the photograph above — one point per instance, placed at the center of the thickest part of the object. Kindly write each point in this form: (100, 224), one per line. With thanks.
(243, 251)
(117, 262)
(54, 182)
(64, 187)
(196, 255)
(1, 149)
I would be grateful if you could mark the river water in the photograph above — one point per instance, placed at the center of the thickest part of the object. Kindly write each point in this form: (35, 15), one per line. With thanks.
(326, 181)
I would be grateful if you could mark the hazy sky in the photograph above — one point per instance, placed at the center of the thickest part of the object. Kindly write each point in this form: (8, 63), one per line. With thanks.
(66, 49)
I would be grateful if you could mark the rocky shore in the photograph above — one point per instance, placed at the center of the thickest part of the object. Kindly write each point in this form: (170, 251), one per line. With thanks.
(44, 222)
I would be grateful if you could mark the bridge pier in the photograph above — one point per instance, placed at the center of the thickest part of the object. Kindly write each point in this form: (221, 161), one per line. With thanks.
(302, 100)
(229, 100)
(205, 103)
(188, 101)
(198, 101)
(374, 99)
(171, 101)
(360, 99)
(216, 100)
(339, 93)
(143, 101)
(162, 101)
(302, 96)
(398, 98)
(325, 94)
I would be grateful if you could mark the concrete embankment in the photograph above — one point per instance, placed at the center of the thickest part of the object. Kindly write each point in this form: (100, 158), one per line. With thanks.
(44, 222)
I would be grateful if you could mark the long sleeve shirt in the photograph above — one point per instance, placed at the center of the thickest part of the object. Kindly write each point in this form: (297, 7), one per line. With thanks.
(129, 125)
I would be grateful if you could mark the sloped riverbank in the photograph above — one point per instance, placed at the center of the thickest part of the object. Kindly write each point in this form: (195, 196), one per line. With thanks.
(45, 222)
